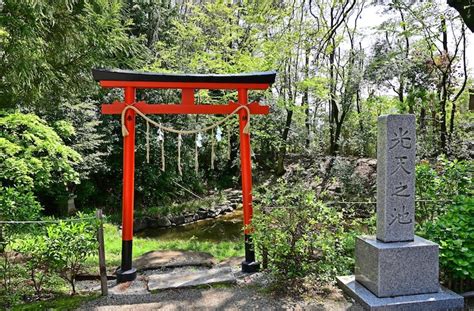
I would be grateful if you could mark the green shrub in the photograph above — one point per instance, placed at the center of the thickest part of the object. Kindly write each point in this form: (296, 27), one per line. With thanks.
(69, 245)
(12, 279)
(300, 236)
(437, 184)
(454, 232)
(36, 254)
(32, 155)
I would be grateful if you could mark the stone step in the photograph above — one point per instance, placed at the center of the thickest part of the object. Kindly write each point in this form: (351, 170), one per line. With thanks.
(172, 259)
(190, 278)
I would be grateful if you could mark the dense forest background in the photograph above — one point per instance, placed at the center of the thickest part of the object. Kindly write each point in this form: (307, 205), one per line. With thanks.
(334, 78)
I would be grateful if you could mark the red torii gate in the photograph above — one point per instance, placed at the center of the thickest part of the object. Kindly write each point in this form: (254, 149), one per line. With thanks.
(188, 83)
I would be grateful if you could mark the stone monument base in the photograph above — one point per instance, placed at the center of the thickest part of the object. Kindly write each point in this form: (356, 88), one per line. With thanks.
(444, 299)
(397, 268)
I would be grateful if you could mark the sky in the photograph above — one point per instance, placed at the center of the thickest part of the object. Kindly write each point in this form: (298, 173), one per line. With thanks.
(373, 15)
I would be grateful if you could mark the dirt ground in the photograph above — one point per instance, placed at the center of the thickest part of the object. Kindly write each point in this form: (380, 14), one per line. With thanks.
(230, 298)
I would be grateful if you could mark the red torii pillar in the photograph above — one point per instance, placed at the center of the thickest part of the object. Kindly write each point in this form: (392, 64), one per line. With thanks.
(130, 81)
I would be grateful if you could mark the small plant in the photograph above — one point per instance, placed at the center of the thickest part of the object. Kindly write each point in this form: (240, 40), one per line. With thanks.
(36, 252)
(69, 245)
(300, 236)
(437, 184)
(454, 232)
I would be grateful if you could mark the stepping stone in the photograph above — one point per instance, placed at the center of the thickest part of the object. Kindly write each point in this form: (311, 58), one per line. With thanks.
(172, 259)
(234, 262)
(137, 287)
(189, 278)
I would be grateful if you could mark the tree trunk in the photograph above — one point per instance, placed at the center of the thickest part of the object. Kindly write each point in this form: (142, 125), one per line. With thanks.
(444, 91)
(422, 119)
(400, 93)
(307, 121)
(281, 157)
(333, 110)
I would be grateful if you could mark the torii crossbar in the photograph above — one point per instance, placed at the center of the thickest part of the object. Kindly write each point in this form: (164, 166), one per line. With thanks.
(130, 81)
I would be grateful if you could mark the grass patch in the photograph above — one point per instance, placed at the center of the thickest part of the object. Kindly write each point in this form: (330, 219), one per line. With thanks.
(65, 302)
(113, 247)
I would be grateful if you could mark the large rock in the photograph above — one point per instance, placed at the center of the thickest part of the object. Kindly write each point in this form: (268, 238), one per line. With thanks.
(189, 278)
(140, 224)
(366, 170)
(171, 259)
(178, 220)
(161, 221)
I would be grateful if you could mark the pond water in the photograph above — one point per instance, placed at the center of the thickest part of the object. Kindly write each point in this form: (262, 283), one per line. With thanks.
(227, 227)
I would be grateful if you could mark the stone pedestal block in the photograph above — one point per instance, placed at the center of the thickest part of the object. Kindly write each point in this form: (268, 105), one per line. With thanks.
(398, 268)
(442, 300)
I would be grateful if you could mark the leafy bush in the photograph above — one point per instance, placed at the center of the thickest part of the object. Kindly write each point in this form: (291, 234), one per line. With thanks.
(299, 236)
(445, 215)
(69, 245)
(12, 281)
(41, 256)
(15, 204)
(36, 253)
(32, 154)
(454, 232)
(437, 184)
(33, 161)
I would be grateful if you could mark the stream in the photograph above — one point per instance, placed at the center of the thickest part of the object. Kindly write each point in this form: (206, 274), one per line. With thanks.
(227, 227)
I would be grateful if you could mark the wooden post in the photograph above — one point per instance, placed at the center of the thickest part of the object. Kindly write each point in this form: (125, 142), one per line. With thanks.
(102, 268)
(249, 264)
(126, 272)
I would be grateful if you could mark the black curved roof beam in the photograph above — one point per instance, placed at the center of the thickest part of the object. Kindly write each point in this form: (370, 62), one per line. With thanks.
(267, 77)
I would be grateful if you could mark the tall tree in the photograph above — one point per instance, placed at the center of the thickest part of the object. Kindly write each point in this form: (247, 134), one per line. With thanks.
(48, 48)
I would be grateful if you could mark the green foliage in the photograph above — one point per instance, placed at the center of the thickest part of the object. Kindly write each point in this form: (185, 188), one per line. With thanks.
(300, 236)
(438, 184)
(359, 138)
(445, 213)
(40, 257)
(36, 253)
(51, 47)
(454, 232)
(63, 302)
(69, 245)
(32, 155)
(213, 29)
(17, 204)
(12, 280)
(34, 161)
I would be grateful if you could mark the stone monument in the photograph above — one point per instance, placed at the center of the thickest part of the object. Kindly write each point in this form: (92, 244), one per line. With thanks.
(397, 270)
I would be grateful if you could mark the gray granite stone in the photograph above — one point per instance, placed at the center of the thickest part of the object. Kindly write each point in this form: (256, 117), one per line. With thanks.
(188, 278)
(396, 142)
(136, 287)
(443, 299)
(398, 268)
(172, 259)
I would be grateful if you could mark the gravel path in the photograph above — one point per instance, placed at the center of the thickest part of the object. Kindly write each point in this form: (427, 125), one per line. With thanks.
(230, 298)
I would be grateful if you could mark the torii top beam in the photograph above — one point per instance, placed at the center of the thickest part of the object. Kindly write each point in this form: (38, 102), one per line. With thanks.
(123, 78)
(117, 78)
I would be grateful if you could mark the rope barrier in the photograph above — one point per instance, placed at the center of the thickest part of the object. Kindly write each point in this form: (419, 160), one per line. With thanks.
(213, 153)
(246, 129)
(12, 222)
(149, 121)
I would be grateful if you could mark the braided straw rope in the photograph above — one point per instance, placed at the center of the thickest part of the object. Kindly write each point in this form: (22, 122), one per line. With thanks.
(184, 132)
(125, 132)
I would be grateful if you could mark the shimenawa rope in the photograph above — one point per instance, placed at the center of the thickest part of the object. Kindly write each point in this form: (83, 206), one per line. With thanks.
(184, 132)
(125, 132)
